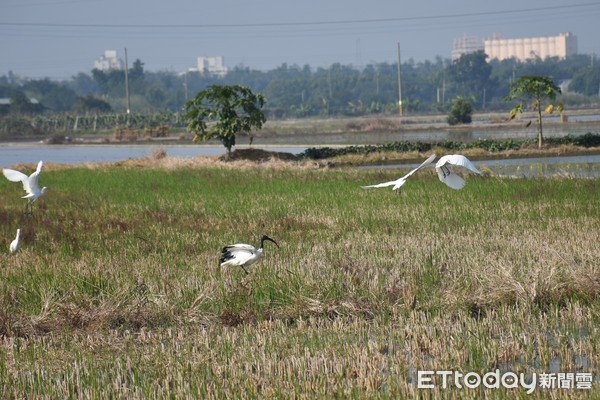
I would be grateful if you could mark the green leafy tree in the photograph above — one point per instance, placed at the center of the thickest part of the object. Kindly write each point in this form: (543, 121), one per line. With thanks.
(230, 110)
(461, 112)
(20, 104)
(55, 96)
(156, 97)
(470, 74)
(83, 84)
(586, 81)
(91, 104)
(110, 83)
(539, 89)
(136, 77)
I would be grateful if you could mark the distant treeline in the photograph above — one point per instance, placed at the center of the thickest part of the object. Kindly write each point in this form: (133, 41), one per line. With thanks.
(294, 91)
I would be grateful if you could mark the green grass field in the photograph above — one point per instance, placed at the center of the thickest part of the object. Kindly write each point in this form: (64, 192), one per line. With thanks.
(116, 291)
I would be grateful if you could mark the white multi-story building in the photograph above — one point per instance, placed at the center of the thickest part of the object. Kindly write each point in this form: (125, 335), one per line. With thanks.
(109, 61)
(212, 65)
(465, 45)
(561, 46)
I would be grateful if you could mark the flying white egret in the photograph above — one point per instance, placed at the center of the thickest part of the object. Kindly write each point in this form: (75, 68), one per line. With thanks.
(399, 182)
(445, 170)
(242, 254)
(30, 183)
(14, 245)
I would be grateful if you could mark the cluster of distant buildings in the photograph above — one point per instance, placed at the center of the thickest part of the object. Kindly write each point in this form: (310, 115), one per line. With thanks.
(212, 65)
(497, 47)
(521, 49)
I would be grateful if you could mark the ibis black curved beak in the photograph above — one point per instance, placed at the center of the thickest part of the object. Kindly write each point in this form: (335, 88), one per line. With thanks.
(265, 237)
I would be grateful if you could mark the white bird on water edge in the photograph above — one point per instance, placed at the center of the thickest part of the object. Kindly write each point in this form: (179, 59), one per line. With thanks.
(30, 184)
(445, 170)
(398, 183)
(14, 245)
(242, 254)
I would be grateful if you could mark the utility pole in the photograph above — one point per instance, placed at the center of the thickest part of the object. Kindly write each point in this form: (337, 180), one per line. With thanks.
(444, 91)
(127, 82)
(377, 82)
(399, 83)
(329, 82)
(185, 85)
(483, 106)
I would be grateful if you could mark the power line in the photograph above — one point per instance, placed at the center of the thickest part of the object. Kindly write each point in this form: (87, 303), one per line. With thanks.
(304, 23)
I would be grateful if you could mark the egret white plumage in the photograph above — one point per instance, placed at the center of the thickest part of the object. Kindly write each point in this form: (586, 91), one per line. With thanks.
(14, 245)
(242, 254)
(398, 183)
(445, 170)
(30, 183)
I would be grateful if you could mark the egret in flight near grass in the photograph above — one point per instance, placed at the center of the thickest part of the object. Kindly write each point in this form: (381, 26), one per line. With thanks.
(14, 245)
(445, 170)
(242, 255)
(401, 181)
(30, 184)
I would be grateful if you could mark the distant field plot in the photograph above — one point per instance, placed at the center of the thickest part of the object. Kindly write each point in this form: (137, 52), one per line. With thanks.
(116, 290)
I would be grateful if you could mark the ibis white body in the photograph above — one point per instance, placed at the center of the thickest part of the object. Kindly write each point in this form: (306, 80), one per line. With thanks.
(14, 245)
(30, 183)
(242, 254)
(398, 183)
(445, 168)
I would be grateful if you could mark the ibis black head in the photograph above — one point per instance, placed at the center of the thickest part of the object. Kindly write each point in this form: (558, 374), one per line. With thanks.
(265, 237)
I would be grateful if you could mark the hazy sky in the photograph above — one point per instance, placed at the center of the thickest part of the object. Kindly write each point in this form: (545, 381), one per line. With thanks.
(60, 38)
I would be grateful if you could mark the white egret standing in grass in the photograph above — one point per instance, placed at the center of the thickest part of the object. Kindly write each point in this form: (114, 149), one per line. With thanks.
(401, 181)
(14, 245)
(445, 170)
(242, 255)
(30, 184)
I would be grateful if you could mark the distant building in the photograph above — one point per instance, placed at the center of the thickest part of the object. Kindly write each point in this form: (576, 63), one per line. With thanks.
(109, 61)
(211, 65)
(33, 107)
(465, 45)
(561, 46)
(6, 101)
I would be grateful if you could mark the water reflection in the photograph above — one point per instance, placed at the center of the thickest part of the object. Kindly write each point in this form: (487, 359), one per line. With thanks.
(573, 167)
(461, 136)
(77, 154)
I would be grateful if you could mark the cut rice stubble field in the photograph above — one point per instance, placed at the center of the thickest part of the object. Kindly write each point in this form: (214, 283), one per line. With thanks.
(117, 290)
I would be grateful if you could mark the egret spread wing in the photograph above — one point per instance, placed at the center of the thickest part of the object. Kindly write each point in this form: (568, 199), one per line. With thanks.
(384, 184)
(459, 161)
(34, 179)
(34, 182)
(14, 176)
(17, 176)
(472, 167)
(423, 165)
(399, 182)
(452, 180)
(445, 170)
